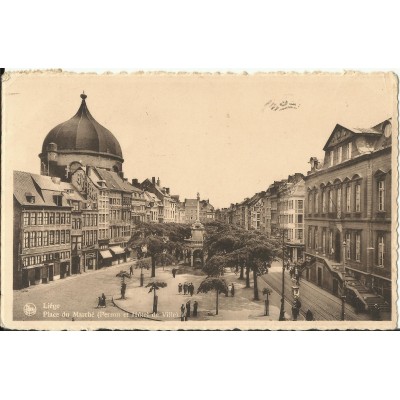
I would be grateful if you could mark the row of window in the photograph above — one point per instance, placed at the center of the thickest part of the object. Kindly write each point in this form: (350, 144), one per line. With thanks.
(331, 200)
(340, 154)
(352, 244)
(120, 215)
(46, 238)
(45, 218)
(40, 259)
(89, 238)
(291, 205)
(344, 198)
(290, 219)
(296, 234)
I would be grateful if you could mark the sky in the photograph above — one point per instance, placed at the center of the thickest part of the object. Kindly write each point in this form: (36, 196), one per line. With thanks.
(226, 136)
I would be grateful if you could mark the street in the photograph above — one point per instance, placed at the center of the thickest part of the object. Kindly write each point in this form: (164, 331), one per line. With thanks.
(76, 298)
(324, 306)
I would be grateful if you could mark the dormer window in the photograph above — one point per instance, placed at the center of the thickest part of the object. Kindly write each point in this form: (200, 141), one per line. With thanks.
(30, 198)
(58, 200)
(331, 158)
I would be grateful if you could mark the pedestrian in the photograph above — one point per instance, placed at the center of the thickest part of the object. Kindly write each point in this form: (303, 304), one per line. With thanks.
(173, 272)
(295, 311)
(180, 288)
(191, 289)
(229, 289)
(185, 288)
(188, 309)
(232, 290)
(131, 270)
(103, 300)
(309, 315)
(99, 302)
(195, 305)
(183, 312)
(123, 290)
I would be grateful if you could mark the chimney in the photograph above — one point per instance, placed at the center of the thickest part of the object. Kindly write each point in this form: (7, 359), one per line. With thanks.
(135, 182)
(121, 174)
(153, 180)
(167, 190)
(158, 182)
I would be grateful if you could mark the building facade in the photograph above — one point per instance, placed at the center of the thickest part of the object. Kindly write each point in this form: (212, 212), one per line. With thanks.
(348, 212)
(42, 229)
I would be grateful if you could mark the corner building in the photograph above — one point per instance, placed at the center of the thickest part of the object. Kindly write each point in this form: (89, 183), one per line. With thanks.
(348, 215)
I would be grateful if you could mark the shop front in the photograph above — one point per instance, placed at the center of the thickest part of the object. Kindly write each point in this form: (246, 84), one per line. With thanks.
(105, 258)
(119, 255)
(90, 260)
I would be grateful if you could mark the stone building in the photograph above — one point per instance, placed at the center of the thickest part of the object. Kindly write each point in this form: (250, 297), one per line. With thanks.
(348, 214)
(291, 196)
(42, 229)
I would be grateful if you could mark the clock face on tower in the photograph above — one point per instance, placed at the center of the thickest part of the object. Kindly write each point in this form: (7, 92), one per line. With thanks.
(388, 130)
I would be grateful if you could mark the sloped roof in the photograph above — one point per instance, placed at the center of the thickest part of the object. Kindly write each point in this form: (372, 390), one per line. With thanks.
(43, 188)
(113, 180)
(355, 131)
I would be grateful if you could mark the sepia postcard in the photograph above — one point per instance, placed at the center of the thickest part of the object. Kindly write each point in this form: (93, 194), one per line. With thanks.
(181, 201)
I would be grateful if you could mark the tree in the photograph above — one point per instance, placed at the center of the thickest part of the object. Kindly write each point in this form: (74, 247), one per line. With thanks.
(142, 264)
(158, 238)
(227, 245)
(212, 283)
(154, 286)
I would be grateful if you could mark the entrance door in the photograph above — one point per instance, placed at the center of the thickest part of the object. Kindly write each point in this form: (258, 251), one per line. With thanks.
(338, 247)
(319, 277)
(51, 273)
(335, 287)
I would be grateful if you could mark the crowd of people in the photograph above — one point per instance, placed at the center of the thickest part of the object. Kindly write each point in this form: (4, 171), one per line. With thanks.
(186, 310)
(187, 288)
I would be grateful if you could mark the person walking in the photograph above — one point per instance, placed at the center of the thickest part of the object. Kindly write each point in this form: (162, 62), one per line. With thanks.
(188, 309)
(183, 312)
(295, 311)
(185, 288)
(180, 288)
(195, 305)
(191, 289)
(174, 272)
(229, 289)
(309, 315)
(232, 290)
(103, 300)
(131, 270)
(123, 290)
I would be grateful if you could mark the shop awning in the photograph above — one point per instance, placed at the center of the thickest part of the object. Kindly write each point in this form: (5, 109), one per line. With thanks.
(105, 254)
(117, 250)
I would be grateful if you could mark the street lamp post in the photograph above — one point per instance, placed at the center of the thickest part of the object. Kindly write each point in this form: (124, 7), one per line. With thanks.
(343, 295)
(282, 312)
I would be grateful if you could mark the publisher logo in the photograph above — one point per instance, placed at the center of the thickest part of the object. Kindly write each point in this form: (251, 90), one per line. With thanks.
(29, 309)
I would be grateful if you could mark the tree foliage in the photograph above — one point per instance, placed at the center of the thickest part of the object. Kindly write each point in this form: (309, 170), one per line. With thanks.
(212, 283)
(156, 285)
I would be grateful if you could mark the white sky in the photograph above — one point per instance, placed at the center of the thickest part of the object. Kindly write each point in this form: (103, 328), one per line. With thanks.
(211, 134)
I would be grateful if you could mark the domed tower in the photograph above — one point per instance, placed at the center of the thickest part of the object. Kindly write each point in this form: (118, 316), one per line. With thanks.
(80, 141)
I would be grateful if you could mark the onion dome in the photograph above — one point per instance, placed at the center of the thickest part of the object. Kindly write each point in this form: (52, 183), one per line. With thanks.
(83, 134)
